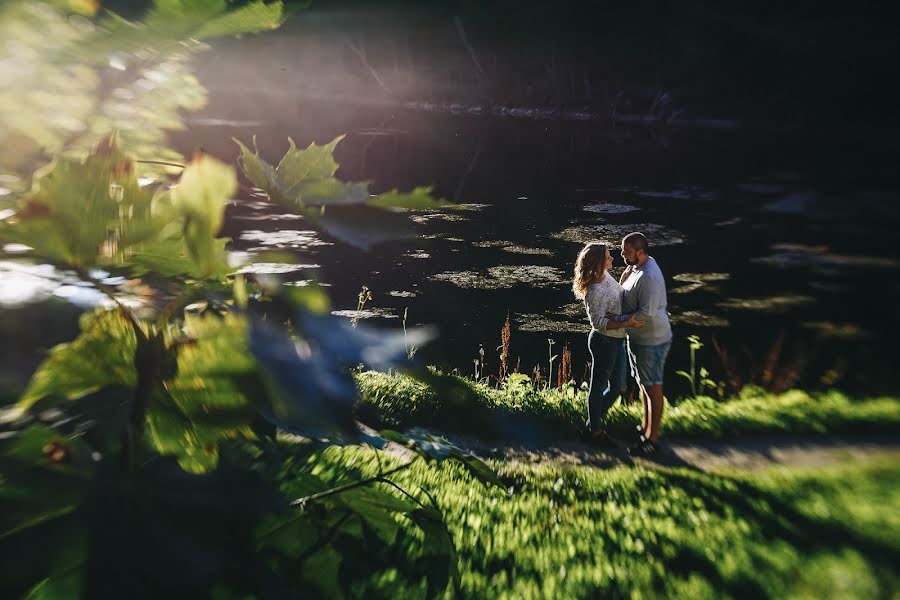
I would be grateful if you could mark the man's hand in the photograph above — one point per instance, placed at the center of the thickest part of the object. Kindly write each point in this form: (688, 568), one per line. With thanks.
(632, 322)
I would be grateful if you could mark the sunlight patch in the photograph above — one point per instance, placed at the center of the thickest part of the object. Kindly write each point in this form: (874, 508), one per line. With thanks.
(276, 268)
(428, 217)
(283, 217)
(368, 313)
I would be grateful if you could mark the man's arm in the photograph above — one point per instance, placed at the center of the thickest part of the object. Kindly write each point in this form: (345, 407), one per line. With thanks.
(650, 293)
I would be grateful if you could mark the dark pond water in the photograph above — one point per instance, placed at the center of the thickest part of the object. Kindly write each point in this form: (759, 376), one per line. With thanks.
(778, 243)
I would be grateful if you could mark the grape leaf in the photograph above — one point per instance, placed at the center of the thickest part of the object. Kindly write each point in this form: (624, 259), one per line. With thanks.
(87, 214)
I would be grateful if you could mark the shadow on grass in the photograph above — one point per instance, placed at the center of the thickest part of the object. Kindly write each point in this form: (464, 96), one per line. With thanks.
(776, 517)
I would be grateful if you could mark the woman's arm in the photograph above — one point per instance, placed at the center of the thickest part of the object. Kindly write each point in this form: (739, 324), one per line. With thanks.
(630, 322)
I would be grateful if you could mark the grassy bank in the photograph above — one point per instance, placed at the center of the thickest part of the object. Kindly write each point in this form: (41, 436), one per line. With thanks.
(580, 532)
(452, 404)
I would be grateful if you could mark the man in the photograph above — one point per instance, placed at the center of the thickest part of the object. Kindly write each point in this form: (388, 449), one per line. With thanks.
(648, 346)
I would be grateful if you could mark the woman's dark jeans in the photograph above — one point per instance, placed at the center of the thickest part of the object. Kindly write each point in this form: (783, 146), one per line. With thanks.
(607, 376)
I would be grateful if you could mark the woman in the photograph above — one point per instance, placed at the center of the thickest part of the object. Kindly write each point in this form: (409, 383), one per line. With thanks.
(602, 294)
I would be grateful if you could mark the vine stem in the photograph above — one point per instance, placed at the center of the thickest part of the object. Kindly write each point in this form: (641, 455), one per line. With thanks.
(343, 488)
(126, 312)
(161, 162)
(141, 399)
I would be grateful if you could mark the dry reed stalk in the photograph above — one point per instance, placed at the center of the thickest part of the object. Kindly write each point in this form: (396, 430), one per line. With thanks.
(564, 374)
(505, 335)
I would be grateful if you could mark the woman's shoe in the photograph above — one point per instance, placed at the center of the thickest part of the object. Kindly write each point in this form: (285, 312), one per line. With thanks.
(601, 439)
(644, 448)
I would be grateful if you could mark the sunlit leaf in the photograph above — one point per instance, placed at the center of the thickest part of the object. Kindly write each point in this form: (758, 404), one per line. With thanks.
(207, 401)
(314, 163)
(87, 213)
(255, 16)
(205, 187)
(102, 355)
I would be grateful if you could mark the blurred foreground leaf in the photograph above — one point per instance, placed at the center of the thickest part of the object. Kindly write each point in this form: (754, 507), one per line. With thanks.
(102, 355)
(304, 181)
(437, 448)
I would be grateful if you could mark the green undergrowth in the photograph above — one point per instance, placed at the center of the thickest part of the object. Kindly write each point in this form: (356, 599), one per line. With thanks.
(452, 404)
(582, 532)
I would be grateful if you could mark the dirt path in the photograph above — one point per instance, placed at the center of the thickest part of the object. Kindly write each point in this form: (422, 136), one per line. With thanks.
(745, 453)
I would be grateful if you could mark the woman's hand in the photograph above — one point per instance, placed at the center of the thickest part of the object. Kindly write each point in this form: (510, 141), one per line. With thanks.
(625, 274)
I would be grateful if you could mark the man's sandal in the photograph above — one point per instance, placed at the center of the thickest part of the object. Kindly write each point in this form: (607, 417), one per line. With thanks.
(644, 448)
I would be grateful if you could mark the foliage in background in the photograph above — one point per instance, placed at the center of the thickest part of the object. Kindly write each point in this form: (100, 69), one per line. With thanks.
(518, 411)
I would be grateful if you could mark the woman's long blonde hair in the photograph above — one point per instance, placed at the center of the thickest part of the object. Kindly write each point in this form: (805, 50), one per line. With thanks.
(589, 268)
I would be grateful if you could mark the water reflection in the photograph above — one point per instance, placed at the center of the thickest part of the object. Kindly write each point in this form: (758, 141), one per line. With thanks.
(23, 283)
(285, 238)
(368, 313)
(276, 268)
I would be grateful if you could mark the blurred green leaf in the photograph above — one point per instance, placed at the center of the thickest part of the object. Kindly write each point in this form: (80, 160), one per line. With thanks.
(86, 213)
(45, 478)
(436, 448)
(439, 551)
(207, 401)
(314, 163)
(362, 226)
(419, 198)
(102, 355)
(322, 570)
(309, 298)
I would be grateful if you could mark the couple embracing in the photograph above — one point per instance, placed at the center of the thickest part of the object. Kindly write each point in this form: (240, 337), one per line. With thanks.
(629, 327)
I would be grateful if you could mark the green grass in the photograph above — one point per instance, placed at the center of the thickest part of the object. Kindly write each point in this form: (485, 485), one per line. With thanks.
(580, 532)
(452, 404)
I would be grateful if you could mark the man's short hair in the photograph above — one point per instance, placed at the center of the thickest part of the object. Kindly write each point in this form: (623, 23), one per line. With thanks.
(637, 241)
